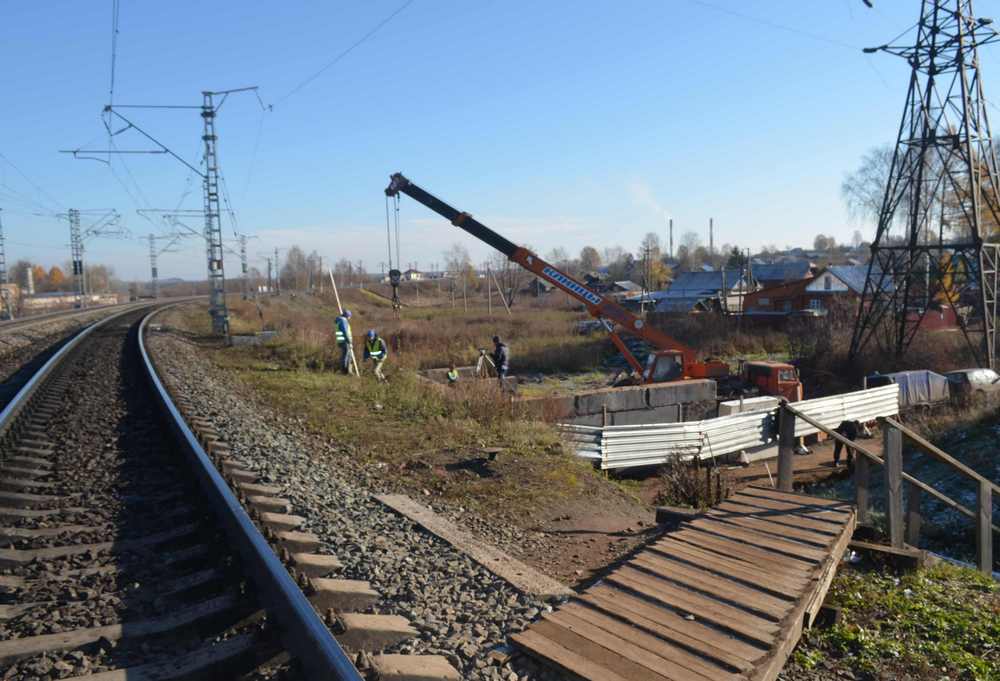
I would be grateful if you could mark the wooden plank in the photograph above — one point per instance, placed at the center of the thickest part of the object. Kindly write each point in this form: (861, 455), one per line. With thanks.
(913, 519)
(816, 513)
(785, 518)
(597, 653)
(820, 541)
(763, 540)
(790, 586)
(664, 654)
(668, 625)
(786, 449)
(893, 456)
(760, 558)
(566, 658)
(796, 498)
(815, 600)
(721, 588)
(704, 608)
(984, 521)
(862, 488)
(521, 576)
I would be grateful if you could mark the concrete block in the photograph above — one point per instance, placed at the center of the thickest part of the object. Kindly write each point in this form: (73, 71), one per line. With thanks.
(281, 521)
(253, 488)
(596, 420)
(272, 504)
(615, 399)
(241, 475)
(413, 668)
(636, 417)
(681, 392)
(316, 564)
(373, 632)
(299, 542)
(342, 595)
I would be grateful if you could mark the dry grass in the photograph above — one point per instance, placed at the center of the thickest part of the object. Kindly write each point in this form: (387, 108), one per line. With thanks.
(687, 485)
(542, 338)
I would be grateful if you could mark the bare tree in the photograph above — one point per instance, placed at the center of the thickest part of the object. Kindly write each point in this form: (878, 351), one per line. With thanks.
(590, 259)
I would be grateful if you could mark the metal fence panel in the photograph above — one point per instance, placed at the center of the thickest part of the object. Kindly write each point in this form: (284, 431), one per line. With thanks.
(656, 443)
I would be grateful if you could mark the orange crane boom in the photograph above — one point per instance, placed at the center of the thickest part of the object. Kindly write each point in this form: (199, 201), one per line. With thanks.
(604, 309)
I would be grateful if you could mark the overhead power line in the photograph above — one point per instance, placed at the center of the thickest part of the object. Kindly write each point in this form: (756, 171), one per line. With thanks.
(346, 52)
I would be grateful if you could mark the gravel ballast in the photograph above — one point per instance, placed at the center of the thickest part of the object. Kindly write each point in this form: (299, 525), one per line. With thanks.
(460, 610)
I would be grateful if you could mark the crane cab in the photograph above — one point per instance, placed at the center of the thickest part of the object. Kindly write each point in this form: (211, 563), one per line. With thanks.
(773, 378)
(663, 365)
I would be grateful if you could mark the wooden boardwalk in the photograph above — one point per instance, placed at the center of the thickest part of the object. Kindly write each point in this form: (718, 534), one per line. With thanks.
(724, 597)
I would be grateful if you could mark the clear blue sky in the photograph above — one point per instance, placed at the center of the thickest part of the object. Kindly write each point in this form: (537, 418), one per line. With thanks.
(558, 123)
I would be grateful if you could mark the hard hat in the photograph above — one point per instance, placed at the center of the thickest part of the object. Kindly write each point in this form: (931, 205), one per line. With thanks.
(371, 333)
(347, 313)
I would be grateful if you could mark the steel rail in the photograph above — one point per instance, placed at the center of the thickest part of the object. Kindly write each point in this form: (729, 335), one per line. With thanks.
(23, 397)
(302, 631)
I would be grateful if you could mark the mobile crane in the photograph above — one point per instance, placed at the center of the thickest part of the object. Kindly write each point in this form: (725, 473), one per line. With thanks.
(671, 361)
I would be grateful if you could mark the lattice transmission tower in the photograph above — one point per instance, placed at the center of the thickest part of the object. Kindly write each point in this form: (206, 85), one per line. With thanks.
(935, 248)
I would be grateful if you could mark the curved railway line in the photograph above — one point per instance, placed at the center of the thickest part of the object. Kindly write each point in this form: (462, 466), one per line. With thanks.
(134, 546)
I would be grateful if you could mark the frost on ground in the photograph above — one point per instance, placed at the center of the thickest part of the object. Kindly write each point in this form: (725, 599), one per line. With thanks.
(460, 610)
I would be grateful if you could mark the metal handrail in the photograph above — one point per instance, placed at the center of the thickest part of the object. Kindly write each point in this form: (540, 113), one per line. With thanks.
(302, 631)
(940, 496)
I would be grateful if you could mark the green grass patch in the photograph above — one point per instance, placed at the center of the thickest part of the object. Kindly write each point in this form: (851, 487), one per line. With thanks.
(940, 623)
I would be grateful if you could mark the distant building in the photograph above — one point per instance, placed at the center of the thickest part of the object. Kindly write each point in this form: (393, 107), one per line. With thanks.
(413, 275)
(714, 291)
(776, 274)
(538, 287)
(61, 299)
(811, 295)
(624, 287)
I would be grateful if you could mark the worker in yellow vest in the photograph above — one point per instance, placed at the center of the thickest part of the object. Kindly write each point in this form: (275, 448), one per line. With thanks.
(377, 351)
(345, 340)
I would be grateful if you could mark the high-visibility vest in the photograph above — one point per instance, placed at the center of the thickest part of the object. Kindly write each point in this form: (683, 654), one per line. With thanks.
(452, 376)
(344, 331)
(375, 348)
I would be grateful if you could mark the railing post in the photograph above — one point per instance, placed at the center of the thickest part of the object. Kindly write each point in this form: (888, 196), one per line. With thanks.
(893, 453)
(984, 527)
(913, 519)
(862, 483)
(786, 449)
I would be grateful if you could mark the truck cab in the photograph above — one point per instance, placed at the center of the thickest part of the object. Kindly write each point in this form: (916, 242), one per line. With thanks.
(773, 378)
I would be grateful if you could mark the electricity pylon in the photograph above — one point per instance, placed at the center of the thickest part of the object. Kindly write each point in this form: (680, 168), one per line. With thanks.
(107, 224)
(935, 242)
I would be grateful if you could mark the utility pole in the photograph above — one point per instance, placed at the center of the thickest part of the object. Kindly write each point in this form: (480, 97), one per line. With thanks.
(213, 222)
(711, 238)
(76, 252)
(3, 254)
(270, 282)
(671, 238)
(277, 275)
(214, 247)
(153, 282)
(321, 275)
(944, 155)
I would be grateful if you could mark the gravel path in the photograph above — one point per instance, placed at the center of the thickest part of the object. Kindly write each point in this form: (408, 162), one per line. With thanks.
(461, 610)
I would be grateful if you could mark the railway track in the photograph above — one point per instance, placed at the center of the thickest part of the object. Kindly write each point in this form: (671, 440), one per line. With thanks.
(127, 552)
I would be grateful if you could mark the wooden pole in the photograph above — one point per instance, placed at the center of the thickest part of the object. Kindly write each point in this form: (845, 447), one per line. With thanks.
(913, 520)
(489, 290)
(336, 295)
(786, 449)
(503, 298)
(465, 291)
(893, 455)
(984, 524)
(862, 485)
